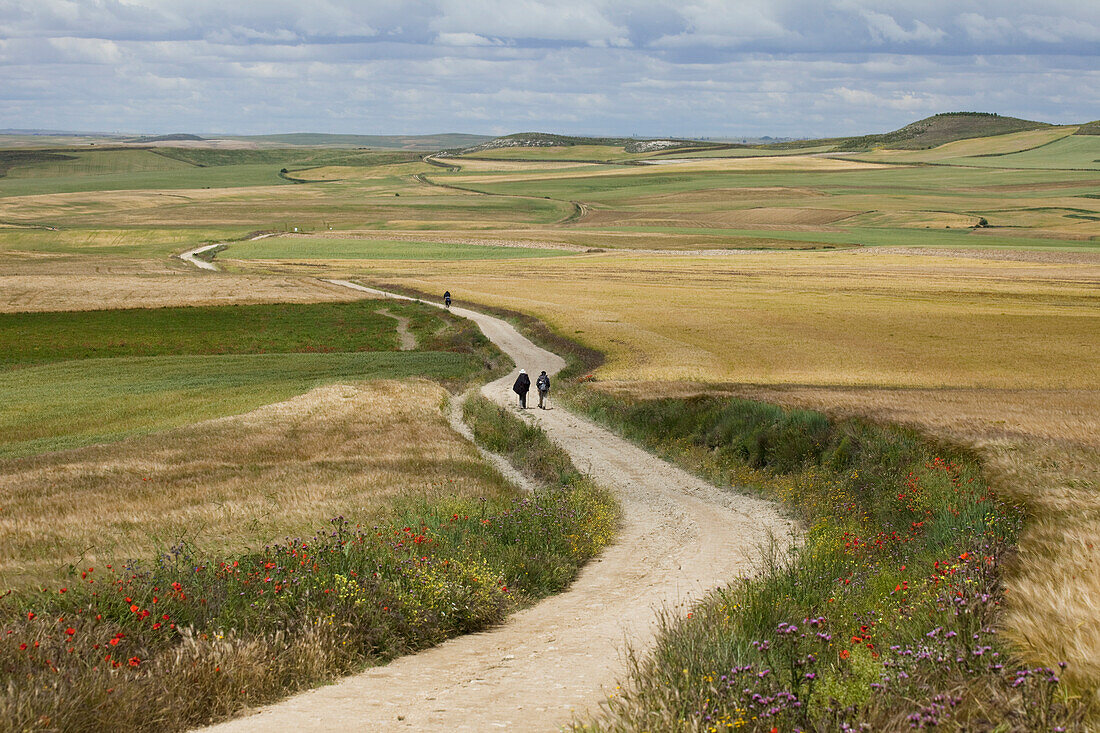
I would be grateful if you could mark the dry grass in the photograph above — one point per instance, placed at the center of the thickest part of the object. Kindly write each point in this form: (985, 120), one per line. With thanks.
(151, 285)
(235, 482)
(835, 318)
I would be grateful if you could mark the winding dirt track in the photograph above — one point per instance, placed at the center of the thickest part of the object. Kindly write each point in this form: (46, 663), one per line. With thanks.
(680, 536)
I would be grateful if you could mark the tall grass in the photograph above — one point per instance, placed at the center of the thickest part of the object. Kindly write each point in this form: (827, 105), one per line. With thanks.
(189, 637)
(885, 617)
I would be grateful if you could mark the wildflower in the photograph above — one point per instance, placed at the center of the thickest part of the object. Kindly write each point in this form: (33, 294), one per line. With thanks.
(135, 662)
(70, 631)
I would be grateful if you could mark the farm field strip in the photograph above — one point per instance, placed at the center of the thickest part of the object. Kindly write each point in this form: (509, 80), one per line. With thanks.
(334, 248)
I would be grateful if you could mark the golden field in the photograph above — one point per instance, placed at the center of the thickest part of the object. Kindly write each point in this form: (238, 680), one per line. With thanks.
(237, 482)
(836, 318)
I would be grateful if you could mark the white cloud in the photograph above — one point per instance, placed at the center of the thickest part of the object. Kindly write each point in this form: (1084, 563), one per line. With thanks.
(569, 20)
(883, 28)
(465, 39)
(658, 67)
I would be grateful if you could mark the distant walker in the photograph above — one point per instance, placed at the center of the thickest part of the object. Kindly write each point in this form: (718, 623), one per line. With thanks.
(447, 299)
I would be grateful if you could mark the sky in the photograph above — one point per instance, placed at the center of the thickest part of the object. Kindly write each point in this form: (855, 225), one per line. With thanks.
(687, 68)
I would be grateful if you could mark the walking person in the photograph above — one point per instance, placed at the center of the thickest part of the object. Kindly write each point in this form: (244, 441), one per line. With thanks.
(447, 299)
(521, 387)
(542, 384)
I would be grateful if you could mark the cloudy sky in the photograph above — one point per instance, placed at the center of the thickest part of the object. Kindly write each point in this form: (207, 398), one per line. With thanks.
(653, 68)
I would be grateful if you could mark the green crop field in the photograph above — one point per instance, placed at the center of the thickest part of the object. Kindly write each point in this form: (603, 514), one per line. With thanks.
(1074, 152)
(326, 248)
(35, 338)
(178, 176)
(70, 404)
(98, 163)
(75, 378)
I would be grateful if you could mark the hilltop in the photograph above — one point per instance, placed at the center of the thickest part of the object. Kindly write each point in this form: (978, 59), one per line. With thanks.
(940, 129)
(175, 137)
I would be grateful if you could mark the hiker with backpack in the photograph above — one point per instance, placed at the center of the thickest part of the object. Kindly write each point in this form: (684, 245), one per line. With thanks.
(542, 384)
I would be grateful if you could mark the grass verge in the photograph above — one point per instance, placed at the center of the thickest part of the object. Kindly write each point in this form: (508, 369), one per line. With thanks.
(884, 618)
(189, 637)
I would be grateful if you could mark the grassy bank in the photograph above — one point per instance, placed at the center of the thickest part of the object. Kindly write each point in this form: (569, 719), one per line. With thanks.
(189, 636)
(886, 615)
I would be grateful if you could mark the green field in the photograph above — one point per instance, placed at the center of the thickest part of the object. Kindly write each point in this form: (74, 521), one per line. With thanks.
(1074, 152)
(75, 378)
(176, 177)
(36, 338)
(71, 404)
(325, 248)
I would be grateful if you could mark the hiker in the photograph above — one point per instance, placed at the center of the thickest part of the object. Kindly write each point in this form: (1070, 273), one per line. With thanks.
(447, 298)
(542, 384)
(522, 385)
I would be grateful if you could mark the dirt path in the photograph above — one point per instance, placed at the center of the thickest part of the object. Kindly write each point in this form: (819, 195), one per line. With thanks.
(680, 537)
(407, 337)
(191, 255)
